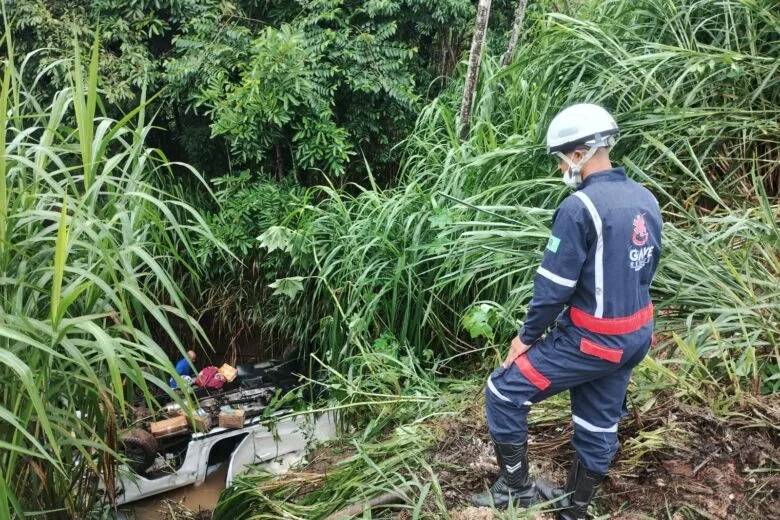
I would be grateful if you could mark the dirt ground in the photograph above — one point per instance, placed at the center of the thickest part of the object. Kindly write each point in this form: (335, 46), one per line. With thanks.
(699, 466)
(174, 510)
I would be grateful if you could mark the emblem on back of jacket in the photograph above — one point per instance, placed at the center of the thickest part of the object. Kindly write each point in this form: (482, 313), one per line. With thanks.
(640, 256)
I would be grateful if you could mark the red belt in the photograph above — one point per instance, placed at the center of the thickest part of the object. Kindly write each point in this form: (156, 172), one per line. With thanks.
(612, 326)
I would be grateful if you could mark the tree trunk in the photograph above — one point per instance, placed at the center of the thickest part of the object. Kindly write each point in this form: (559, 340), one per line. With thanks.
(475, 57)
(279, 163)
(510, 49)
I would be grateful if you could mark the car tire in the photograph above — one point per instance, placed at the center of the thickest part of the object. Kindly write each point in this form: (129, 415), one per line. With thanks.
(140, 448)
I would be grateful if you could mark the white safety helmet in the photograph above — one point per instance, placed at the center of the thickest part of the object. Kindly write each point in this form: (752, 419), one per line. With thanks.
(580, 126)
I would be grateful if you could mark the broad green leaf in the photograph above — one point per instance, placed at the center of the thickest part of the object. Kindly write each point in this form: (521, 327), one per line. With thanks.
(288, 286)
(276, 237)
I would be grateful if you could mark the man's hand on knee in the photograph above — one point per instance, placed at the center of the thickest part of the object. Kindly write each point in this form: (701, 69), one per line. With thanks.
(516, 349)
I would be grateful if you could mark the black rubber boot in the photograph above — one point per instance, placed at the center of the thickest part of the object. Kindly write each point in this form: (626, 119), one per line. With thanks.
(573, 499)
(513, 484)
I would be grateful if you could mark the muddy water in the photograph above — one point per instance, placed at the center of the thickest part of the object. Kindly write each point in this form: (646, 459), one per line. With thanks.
(193, 497)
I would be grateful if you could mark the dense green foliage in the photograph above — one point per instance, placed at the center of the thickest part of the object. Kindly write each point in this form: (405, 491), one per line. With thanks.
(133, 38)
(274, 91)
(391, 277)
(695, 90)
(292, 90)
(448, 255)
(297, 88)
(247, 209)
(88, 245)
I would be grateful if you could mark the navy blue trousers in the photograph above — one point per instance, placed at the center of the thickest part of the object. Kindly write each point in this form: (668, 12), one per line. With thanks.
(596, 375)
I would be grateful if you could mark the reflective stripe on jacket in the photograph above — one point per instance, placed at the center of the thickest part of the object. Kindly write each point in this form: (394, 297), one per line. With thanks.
(600, 260)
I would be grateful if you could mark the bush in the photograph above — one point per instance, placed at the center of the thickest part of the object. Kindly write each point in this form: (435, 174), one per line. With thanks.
(87, 245)
(234, 290)
(694, 90)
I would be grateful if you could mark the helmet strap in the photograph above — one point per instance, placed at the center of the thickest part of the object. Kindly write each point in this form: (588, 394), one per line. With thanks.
(572, 176)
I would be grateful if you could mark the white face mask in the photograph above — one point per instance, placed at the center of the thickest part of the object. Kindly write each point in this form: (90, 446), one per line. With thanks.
(572, 177)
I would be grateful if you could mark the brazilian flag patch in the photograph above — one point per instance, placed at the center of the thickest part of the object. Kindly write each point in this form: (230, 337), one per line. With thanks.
(553, 243)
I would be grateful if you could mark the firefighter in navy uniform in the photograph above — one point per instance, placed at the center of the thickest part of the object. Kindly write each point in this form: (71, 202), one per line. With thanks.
(594, 282)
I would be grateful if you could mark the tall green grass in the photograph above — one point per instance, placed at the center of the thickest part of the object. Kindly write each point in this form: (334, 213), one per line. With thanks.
(373, 469)
(87, 245)
(444, 261)
(693, 85)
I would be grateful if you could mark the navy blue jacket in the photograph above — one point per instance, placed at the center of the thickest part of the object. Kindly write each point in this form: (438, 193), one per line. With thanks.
(599, 261)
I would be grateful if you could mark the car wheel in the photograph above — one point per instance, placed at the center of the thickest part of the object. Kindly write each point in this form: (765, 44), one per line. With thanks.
(140, 449)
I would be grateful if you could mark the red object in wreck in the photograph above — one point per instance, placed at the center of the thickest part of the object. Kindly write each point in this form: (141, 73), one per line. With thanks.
(210, 378)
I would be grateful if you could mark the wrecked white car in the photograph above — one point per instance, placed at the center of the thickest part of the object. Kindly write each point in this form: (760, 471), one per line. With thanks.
(160, 464)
